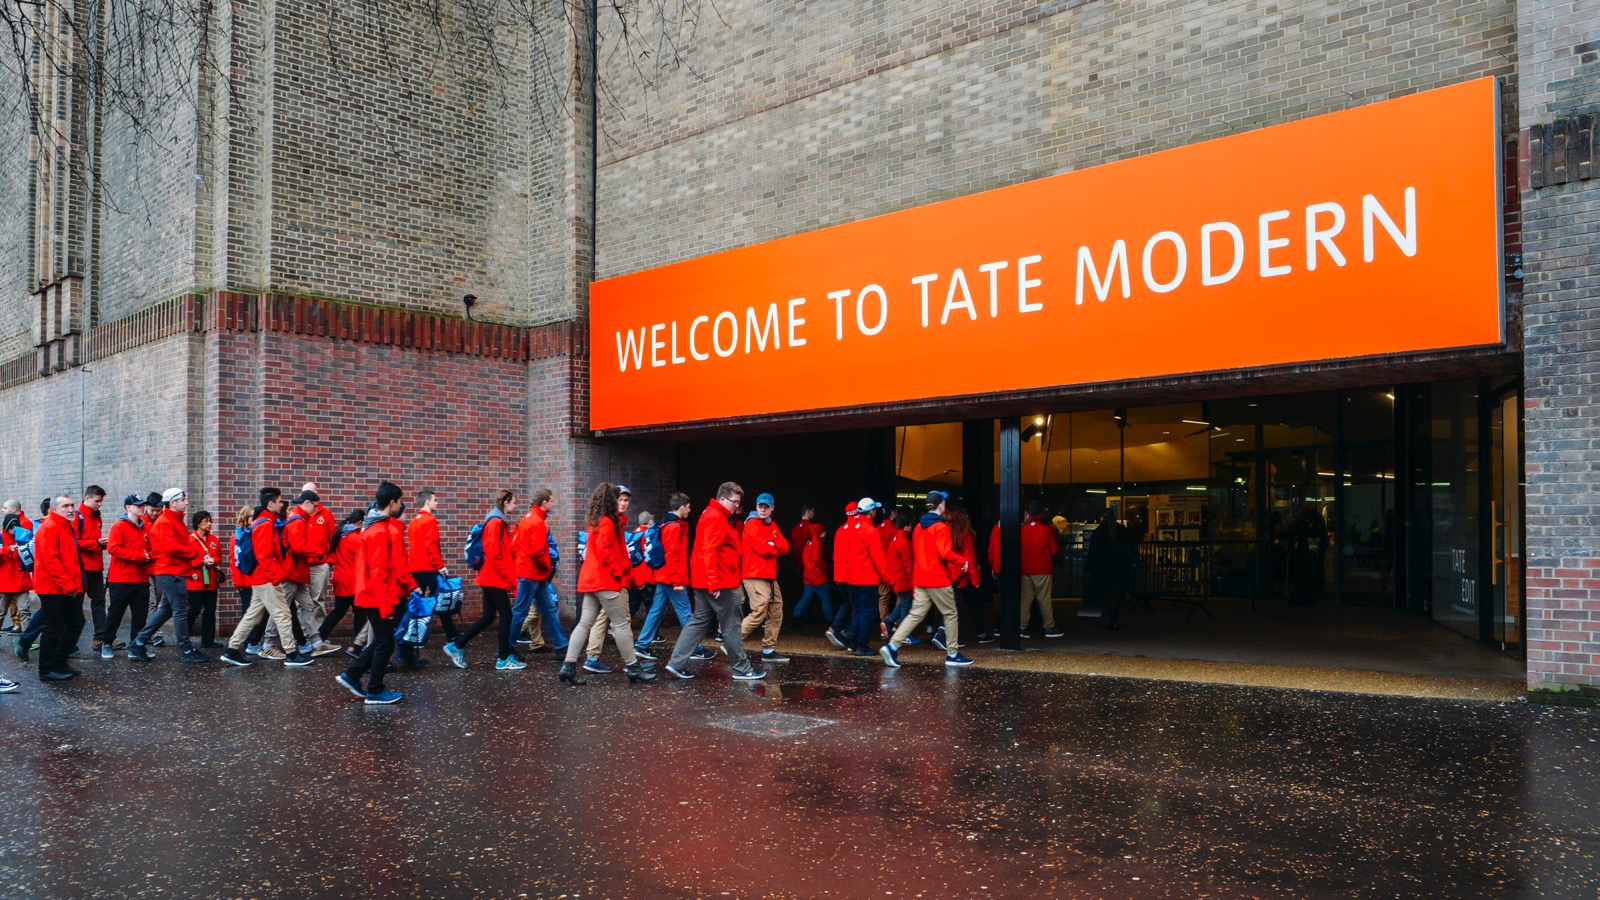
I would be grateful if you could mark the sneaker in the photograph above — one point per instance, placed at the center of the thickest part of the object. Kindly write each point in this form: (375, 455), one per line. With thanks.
(883, 629)
(678, 674)
(296, 659)
(234, 657)
(891, 656)
(383, 698)
(938, 638)
(834, 639)
(158, 640)
(862, 653)
(703, 653)
(643, 653)
(773, 656)
(106, 652)
(324, 648)
(75, 653)
(140, 652)
(596, 666)
(985, 638)
(349, 684)
(353, 651)
(912, 640)
(956, 659)
(509, 664)
(192, 655)
(253, 649)
(306, 648)
(7, 686)
(752, 675)
(717, 637)
(20, 649)
(456, 654)
(274, 654)
(119, 645)
(1054, 633)
(525, 642)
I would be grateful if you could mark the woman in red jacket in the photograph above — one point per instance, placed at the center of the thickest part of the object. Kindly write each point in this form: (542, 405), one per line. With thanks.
(965, 542)
(601, 581)
(497, 578)
(899, 556)
(202, 583)
(346, 554)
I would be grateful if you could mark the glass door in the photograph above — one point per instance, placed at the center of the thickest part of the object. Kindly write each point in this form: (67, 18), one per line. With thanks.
(1505, 521)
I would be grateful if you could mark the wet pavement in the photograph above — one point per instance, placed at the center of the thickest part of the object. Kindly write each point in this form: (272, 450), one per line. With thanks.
(839, 778)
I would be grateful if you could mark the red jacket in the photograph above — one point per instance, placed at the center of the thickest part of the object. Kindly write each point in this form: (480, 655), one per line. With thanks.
(423, 535)
(1039, 547)
(323, 525)
(858, 557)
(382, 580)
(346, 565)
(57, 568)
(499, 571)
(269, 556)
(675, 547)
(128, 545)
(715, 562)
(887, 531)
(642, 575)
(938, 564)
(605, 561)
(966, 544)
(13, 580)
(301, 542)
(89, 534)
(899, 556)
(763, 544)
(198, 580)
(174, 551)
(805, 542)
(530, 545)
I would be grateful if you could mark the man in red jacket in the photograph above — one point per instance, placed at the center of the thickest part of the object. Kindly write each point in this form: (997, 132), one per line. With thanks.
(128, 545)
(1039, 549)
(382, 585)
(935, 567)
(426, 564)
(91, 547)
(714, 575)
(807, 543)
(861, 565)
(672, 578)
(265, 597)
(303, 542)
(530, 553)
(763, 545)
(58, 580)
(323, 524)
(174, 554)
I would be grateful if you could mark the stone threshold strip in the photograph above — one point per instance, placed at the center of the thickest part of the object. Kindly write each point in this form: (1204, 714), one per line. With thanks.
(231, 311)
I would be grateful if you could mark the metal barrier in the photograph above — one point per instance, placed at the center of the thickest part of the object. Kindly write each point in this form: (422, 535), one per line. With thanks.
(1174, 572)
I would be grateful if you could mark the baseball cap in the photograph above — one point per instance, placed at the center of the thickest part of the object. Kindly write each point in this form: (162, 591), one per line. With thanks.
(133, 500)
(623, 489)
(937, 497)
(850, 508)
(171, 494)
(307, 495)
(765, 499)
(866, 505)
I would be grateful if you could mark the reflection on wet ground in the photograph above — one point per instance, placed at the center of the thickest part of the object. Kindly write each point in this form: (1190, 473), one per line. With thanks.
(839, 778)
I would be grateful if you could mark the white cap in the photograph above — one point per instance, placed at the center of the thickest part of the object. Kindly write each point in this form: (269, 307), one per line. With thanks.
(171, 494)
(866, 505)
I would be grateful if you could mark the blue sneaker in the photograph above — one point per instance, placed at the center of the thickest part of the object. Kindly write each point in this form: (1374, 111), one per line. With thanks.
(349, 684)
(890, 655)
(956, 659)
(701, 653)
(456, 654)
(938, 638)
(834, 639)
(510, 664)
(383, 698)
(596, 666)
(911, 640)
(253, 649)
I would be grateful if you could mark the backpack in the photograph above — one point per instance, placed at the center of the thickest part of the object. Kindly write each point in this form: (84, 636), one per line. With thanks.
(655, 555)
(24, 547)
(555, 552)
(583, 546)
(635, 544)
(244, 553)
(447, 599)
(474, 549)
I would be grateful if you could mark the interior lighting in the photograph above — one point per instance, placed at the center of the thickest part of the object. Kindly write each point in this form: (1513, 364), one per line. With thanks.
(1094, 490)
(1324, 474)
(1195, 422)
(1195, 487)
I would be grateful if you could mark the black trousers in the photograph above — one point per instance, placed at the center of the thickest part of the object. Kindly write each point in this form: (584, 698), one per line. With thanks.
(341, 605)
(63, 620)
(94, 584)
(203, 606)
(974, 600)
(134, 596)
(374, 661)
(496, 608)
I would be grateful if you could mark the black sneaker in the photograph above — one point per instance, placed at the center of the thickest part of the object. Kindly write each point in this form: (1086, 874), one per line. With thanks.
(643, 653)
(752, 675)
(297, 659)
(234, 657)
(773, 656)
(140, 652)
(192, 655)
(158, 640)
(353, 651)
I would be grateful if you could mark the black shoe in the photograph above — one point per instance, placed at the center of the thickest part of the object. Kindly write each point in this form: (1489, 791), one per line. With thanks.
(353, 651)
(297, 659)
(140, 652)
(569, 674)
(195, 656)
(234, 657)
(411, 665)
(58, 676)
(636, 672)
(773, 656)
(863, 653)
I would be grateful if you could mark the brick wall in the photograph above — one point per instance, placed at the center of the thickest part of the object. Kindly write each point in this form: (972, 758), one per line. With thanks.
(1560, 54)
(16, 316)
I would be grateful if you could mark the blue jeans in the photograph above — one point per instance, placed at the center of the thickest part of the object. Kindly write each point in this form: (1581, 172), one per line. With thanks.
(821, 592)
(902, 607)
(658, 607)
(174, 606)
(543, 593)
(865, 623)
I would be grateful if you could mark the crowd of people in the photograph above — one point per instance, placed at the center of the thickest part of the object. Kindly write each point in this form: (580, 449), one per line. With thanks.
(300, 570)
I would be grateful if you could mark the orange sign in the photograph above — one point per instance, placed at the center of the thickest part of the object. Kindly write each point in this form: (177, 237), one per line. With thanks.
(1327, 238)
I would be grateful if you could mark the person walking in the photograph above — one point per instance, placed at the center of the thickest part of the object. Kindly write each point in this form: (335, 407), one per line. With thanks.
(174, 555)
(35, 622)
(342, 575)
(323, 526)
(596, 635)
(266, 598)
(965, 542)
(497, 579)
(762, 545)
(426, 564)
(1039, 549)
(58, 578)
(241, 584)
(671, 578)
(898, 553)
(530, 550)
(128, 579)
(382, 588)
(861, 566)
(303, 541)
(91, 550)
(807, 541)
(202, 582)
(838, 632)
(601, 581)
(714, 575)
(16, 583)
(936, 565)
(1108, 569)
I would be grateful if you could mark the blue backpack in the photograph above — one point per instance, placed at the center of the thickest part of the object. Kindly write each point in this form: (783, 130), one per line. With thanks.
(583, 546)
(474, 549)
(24, 538)
(555, 553)
(244, 553)
(655, 555)
(635, 543)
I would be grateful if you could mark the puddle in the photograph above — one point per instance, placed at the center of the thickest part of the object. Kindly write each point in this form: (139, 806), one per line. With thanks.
(809, 691)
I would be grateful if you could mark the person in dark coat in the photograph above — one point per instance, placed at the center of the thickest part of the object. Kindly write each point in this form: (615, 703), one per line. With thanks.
(1108, 570)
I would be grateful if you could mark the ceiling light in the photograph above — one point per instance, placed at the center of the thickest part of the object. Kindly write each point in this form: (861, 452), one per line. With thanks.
(1195, 422)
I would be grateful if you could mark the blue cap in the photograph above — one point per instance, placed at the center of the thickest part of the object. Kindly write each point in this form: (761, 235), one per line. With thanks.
(937, 497)
(866, 505)
(133, 500)
(765, 500)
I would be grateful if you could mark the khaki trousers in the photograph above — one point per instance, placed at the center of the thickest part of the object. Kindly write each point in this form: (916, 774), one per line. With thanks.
(613, 607)
(298, 597)
(530, 627)
(944, 599)
(766, 604)
(265, 600)
(319, 591)
(1037, 587)
(886, 601)
(12, 605)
